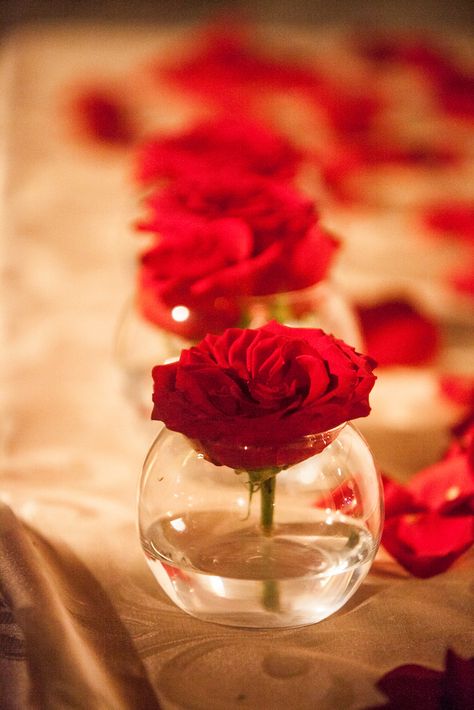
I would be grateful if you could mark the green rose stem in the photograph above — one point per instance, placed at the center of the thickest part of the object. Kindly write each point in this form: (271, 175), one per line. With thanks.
(267, 504)
(270, 598)
(264, 480)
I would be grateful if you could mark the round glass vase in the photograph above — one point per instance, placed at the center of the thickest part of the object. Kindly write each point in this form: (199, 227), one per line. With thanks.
(140, 344)
(252, 549)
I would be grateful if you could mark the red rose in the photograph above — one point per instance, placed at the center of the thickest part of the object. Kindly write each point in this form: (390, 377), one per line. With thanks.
(264, 389)
(225, 143)
(229, 263)
(248, 236)
(203, 288)
(272, 210)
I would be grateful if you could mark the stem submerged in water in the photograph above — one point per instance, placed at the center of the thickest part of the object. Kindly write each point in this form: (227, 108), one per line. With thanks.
(270, 597)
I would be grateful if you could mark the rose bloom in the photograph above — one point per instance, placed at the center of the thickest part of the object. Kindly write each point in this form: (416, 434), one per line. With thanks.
(253, 399)
(212, 267)
(223, 143)
(272, 210)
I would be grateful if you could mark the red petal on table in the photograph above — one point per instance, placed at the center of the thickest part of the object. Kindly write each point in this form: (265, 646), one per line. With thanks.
(463, 281)
(414, 686)
(396, 334)
(458, 389)
(398, 499)
(451, 218)
(461, 391)
(459, 682)
(446, 487)
(227, 69)
(103, 117)
(426, 544)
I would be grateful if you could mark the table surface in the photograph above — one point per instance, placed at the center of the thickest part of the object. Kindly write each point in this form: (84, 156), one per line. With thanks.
(82, 621)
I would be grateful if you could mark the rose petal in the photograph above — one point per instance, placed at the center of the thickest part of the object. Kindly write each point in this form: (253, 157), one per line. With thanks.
(399, 500)
(395, 333)
(233, 143)
(426, 544)
(446, 487)
(104, 117)
(414, 686)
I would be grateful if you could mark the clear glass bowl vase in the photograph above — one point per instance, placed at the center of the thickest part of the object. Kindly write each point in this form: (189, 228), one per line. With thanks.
(213, 548)
(140, 344)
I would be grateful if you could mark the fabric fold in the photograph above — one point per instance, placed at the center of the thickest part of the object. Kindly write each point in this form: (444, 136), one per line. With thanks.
(71, 660)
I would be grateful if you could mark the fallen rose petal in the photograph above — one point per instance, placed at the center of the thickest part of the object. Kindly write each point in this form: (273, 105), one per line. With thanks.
(463, 280)
(414, 686)
(103, 117)
(458, 389)
(458, 682)
(451, 219)
(395, 333)
(426, 544)
(224, 68)
(398, 499)
(446, 487)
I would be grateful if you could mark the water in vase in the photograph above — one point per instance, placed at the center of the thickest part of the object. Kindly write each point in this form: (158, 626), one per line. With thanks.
(221, 568)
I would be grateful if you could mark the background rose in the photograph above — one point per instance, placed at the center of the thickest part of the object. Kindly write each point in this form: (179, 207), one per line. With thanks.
(221, 143)
(261, 388)
(212, 267)
(272, 210)
(203, 269)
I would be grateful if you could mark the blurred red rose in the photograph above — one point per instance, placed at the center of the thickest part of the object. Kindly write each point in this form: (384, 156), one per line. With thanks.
(235, 144)
(272, 210)
(201, 273)
(211, 267)
(246, 396)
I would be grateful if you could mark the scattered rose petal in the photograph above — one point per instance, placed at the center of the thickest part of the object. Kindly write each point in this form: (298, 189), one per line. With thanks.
(427, 544)
(224, 68)
(429, 522)
(446, 487)
(451, 219)
(414, 686)
(104, 117)
(463, 280)
(398, 499)
(397, 334)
